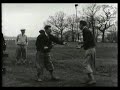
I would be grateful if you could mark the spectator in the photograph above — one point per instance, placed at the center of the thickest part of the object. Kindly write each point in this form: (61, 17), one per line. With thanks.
(21, 51)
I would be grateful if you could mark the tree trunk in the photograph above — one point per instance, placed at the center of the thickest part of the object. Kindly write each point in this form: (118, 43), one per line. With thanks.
(72, 34)
(78, 33)
(61, 33)
(94, 33)
(103, 36)
(96, 36)
(93, 24)
(78, 36)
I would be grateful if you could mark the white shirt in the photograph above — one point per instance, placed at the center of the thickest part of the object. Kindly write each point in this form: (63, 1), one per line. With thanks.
(22, 39)
(46, 34)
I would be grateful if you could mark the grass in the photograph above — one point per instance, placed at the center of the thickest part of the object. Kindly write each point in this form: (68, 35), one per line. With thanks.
(68, 66)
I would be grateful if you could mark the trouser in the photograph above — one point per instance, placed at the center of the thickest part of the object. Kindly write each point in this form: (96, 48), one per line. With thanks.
(89, 60)
(21, 52)
(43, 60)
(3, 69)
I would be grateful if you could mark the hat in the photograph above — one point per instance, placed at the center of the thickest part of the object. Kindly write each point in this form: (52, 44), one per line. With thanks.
(22, 29)
(84, 23)
(41, 31)
(47, 26)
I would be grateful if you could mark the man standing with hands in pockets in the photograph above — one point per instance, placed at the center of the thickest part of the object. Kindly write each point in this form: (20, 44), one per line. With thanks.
(21, 51)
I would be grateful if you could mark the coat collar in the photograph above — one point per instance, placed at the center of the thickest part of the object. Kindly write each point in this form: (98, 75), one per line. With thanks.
(84, 27)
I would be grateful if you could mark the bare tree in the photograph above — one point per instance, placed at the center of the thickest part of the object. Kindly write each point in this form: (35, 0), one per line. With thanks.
(112, 36)
(59, 22)
(71, 25)
(105, 21)
(90, 13)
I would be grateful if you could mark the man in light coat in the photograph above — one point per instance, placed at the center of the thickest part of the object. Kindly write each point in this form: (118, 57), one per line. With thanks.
(21, 51)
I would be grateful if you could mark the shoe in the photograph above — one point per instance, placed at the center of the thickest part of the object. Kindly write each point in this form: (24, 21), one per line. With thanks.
(85, 81)
(55, 78)
(39, 77)
(91, 82)
(39, 80)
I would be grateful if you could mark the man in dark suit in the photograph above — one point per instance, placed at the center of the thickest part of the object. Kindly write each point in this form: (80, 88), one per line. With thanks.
(44, 46)
(3, 45)
(90, 52)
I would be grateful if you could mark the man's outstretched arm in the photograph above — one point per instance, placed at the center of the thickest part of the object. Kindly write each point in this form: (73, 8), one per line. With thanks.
(56, 40)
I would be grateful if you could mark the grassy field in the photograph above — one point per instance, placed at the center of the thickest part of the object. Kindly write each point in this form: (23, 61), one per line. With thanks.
(67, 61)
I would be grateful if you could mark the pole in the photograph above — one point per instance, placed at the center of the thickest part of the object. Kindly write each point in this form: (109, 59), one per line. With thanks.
(77, 22)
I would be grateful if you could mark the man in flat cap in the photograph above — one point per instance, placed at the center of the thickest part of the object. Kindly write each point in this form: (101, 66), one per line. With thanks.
(90, 52)
(44, 46)
(21, 42)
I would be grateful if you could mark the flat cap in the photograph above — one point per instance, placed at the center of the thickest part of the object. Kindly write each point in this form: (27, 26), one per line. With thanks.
(22, 29)
(41, 31)
(47, 26)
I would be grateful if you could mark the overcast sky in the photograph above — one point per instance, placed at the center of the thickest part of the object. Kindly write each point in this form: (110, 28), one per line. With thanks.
(32, 16)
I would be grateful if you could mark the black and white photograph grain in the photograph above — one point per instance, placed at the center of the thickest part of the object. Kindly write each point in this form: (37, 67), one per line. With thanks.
(59, 44)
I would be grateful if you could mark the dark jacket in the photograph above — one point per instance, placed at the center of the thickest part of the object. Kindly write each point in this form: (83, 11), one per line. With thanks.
(3, 43)
(43, 40)
(88, 39)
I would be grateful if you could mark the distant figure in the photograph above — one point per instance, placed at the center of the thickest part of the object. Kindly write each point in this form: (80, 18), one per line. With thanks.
(44, 46)
(21, 51)
(90, 52)
(3, 45)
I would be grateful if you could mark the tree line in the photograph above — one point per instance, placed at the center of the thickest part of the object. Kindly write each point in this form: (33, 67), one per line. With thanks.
(101, 19)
